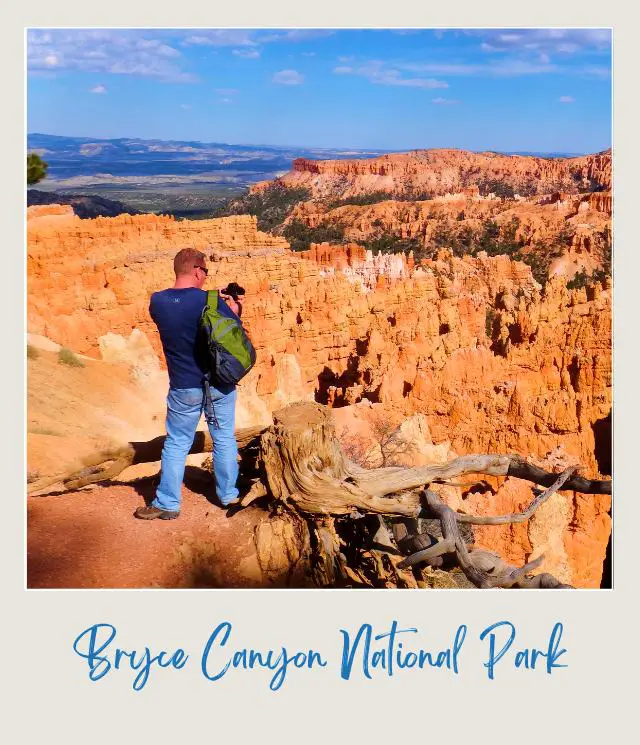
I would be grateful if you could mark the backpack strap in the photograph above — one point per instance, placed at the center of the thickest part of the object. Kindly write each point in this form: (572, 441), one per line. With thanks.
(209, 410)
(212, 298)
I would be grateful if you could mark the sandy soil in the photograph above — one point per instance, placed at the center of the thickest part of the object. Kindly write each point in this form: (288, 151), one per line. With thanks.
(90, 539)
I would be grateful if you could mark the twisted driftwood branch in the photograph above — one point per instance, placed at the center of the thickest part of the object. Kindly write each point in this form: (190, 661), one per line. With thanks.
(305, 467)
(453, 543)
(109, 464)
(520, 517)
(483, 568)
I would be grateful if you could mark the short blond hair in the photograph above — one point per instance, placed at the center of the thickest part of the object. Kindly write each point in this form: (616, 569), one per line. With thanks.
(186, 259)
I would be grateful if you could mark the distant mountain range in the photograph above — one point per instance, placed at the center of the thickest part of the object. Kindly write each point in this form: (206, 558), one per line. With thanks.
(120, 159)
(79, 162)
(83, 206)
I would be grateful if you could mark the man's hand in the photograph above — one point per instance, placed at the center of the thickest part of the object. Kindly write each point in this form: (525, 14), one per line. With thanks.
(236, 307)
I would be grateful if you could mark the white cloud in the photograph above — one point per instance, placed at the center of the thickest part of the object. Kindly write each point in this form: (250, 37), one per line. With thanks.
(428, 74)
(246, 53)
(517, 52)
(114, 51)
(444, 101)
(595, 71)
(392, 77)
(98, 89)
(295, 35)
(384, 73)
(40, 37)
(544, 40)
(246, 37)
(225, 100)
(158, 47)
(566, 99)
(288, 77)
(506, 68)
(198, 41)
(224, 37)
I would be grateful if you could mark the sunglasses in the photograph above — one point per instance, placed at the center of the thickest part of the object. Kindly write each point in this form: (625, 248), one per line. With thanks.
(204, 269)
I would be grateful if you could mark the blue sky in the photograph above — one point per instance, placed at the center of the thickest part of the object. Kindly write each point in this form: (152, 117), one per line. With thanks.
(546, 90)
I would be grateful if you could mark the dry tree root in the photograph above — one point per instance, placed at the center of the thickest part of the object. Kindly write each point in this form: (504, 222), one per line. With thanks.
(452, 542)
(476, 565)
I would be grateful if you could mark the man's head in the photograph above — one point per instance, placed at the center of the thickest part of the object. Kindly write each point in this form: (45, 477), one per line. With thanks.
(190, 267)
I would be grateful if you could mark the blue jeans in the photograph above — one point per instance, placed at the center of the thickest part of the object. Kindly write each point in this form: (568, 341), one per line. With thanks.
(184, 408)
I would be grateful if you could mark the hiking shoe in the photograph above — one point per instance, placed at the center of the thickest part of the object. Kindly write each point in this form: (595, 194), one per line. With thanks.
(151, 513)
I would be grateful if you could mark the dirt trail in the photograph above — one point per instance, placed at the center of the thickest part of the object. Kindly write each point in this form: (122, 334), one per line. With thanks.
(90, 539)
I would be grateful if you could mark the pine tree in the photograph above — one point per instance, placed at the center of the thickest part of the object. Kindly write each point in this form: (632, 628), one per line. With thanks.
(36, 169)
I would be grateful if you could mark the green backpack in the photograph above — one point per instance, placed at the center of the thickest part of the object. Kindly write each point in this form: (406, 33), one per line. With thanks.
(230, 353)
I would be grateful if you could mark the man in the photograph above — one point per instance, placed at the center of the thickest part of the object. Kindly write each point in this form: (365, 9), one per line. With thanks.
(176, 312)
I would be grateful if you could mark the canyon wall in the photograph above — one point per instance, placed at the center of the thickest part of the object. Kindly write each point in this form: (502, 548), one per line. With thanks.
(494, 363)
(555, 210)
(572, 230)
(442, 171)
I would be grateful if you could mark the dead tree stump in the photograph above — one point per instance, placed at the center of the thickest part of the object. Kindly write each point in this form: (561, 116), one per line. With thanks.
(306, 470)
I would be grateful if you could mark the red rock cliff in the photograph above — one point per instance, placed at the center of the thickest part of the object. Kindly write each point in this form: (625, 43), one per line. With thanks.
(442, 171)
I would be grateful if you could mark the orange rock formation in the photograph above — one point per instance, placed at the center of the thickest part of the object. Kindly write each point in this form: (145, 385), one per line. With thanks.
(494, 364)
(443, 171)
(575, 227)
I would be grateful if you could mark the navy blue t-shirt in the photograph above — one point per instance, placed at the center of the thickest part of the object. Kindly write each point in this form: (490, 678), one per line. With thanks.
(176, 313)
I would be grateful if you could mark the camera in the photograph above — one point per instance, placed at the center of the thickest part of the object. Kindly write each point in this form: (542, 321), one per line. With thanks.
(233, 289)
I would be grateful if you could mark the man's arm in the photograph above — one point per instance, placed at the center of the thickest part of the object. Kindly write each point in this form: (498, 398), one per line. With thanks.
(236, 306)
